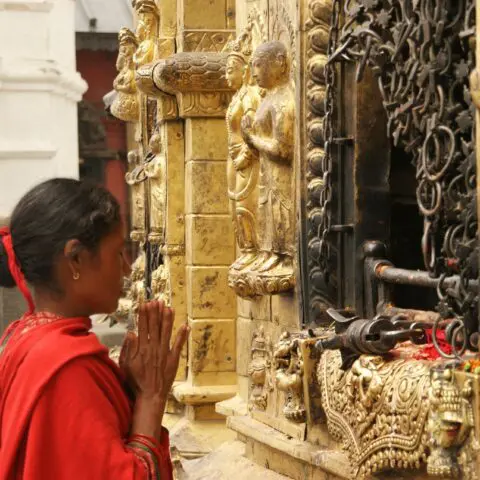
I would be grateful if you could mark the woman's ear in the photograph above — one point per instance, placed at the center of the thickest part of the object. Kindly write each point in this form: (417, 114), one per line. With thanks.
(73, 253)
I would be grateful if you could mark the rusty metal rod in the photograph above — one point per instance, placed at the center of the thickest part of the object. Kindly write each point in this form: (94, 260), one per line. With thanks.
(419, 278)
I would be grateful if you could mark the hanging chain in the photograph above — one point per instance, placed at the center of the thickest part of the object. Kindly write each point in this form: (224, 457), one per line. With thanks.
(326, 194)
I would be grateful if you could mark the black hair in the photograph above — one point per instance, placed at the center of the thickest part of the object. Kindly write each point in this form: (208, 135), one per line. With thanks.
(50, 215)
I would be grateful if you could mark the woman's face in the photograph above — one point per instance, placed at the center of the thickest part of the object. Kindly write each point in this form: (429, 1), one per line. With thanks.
(101, 274)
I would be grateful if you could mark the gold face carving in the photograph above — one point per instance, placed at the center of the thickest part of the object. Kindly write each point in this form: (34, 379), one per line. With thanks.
(125, 106)
(268, 132)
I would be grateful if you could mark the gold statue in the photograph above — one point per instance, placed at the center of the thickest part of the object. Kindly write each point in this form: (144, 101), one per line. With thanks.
(242, 164)
(272, 135)
(155, 170)
(125, 106)
(147, 31)
(160, 284)
(135, 178)
(259, 371)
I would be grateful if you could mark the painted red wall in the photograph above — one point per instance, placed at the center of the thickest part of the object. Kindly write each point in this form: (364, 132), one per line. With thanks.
(98, 69)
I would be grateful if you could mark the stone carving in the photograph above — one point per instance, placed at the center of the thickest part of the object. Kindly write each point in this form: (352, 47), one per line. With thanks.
(135, 178)
(242, 162)
(288, 376)
(259, 371)
(206, 40)
(156, 172)
(125, 106)
(161, 284)
(197, 79)
(449, 423)
(147, 30)
(271, 135)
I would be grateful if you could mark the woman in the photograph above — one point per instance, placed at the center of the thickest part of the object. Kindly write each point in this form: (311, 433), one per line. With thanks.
(66, 410)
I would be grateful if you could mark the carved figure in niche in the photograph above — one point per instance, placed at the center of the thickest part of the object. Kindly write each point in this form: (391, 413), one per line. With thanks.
(147, 30)
(160, 284)
(271, 134)
(155, 170)
(125, 106)
(135, 178)
(242, 164)
(259, 371)
(449, 423)
(288, 376)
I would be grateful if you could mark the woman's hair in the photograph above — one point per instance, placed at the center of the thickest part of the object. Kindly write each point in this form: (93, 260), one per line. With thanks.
(50, 215)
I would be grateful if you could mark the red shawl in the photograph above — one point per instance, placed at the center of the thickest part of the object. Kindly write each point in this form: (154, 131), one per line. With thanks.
(64, 413)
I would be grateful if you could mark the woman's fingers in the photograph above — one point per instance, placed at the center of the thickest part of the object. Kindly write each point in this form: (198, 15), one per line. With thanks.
(143, 321)
(166, 335)
(155, 318)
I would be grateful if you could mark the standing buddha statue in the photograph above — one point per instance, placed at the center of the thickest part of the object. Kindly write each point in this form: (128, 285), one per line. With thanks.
(242, 163)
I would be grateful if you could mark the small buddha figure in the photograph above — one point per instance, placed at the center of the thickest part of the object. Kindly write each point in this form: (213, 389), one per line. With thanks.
(135, 178)
(271, 134)
(242, 164)
(125, 106)
(147, 30)
(259, 371)
(155, 170)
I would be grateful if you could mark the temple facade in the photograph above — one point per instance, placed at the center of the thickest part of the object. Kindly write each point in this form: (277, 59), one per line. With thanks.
(303, 190)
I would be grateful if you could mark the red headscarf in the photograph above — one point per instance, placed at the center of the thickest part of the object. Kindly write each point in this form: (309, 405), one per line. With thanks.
(15, 271)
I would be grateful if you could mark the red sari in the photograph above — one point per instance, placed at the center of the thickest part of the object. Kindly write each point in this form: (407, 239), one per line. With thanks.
(64, 413)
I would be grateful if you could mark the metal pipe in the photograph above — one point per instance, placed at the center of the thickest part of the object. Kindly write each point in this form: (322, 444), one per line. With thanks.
(418, 278)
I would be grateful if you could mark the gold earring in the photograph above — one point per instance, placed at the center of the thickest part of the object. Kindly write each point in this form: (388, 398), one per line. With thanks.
(76, 276)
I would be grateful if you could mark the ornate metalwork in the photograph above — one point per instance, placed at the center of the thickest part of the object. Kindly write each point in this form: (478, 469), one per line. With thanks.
(420, 53)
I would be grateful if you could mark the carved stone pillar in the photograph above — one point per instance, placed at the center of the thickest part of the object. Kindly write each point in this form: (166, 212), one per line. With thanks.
(197, 219)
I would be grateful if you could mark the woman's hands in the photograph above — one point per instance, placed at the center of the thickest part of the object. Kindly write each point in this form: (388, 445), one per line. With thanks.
(148, 360)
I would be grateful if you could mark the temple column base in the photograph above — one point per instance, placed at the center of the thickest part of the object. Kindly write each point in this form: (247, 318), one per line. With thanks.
(235, 406)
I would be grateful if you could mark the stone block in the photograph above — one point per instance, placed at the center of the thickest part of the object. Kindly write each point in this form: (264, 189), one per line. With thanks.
(206, 139)
(212, 345)
(256, 309)
(244, 340)
(206, 187)
(209, 295)
(175, 221)
(243, 387)
(209, 240)
(206, 15)
(206, 379)
(285, 312)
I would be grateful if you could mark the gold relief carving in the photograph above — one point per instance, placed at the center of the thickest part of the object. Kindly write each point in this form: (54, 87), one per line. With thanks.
(378, 411)
(173, 250)
(259, 371)
(125, 106)
(191, 72)
(243, 161)
(135, 178)
(206, 40)
(288, 362)
(156, 172)
(449, 423)
(270, 134)
(136, 293)
(161, 284)
(203, 104)
(146, 32)
(166, 107)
